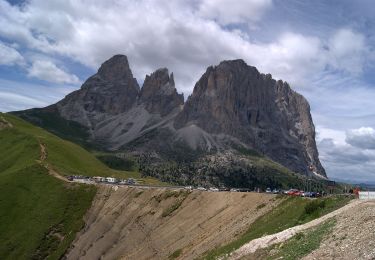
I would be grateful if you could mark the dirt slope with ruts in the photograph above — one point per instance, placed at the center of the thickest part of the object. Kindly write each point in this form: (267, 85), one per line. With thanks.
(134, 223)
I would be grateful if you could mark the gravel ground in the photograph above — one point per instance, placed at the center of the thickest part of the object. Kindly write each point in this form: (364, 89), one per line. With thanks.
(353, 237)
(282, 236)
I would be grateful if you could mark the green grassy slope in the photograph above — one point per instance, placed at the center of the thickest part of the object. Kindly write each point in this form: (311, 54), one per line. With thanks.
(41, 214)
(50, 120)
(65, 157)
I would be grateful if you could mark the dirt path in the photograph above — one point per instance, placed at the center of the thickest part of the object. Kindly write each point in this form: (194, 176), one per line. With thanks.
(282, 236)
(43, 158)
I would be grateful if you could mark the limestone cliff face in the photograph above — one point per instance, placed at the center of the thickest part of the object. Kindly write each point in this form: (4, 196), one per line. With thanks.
(115, 110)
(236, 100)
(159, 94)
(112, 90)
(232, 105)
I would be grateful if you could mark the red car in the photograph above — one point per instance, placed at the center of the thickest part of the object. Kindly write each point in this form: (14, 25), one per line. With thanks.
(294, 192)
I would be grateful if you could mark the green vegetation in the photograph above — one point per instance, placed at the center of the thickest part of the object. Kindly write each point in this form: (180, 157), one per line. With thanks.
(181, 196)
(260, 206)
(302, 243)
(175, 254)
(54, 123)
(68, 158)
(139, 193)
(245, 151)
(114, 162)
(291, 212)
(40, 214)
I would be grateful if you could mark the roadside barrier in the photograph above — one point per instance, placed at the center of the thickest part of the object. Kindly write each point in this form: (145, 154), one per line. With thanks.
(367, 195)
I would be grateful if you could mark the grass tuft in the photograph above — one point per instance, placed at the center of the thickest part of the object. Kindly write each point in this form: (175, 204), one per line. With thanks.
(175, 254)
(303, 243)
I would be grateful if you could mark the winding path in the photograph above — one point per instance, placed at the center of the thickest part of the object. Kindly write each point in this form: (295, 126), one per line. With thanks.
(43, 158)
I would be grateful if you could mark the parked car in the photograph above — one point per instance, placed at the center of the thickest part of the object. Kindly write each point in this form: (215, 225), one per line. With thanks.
(275, 191)
(130, 181)
(201, 188)
(294, 192)
(233, 190)
(317, 194)
(214, 189)
(307, 194)
(268, 190)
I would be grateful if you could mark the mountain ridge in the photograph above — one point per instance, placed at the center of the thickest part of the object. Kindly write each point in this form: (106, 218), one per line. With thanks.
(232, 106)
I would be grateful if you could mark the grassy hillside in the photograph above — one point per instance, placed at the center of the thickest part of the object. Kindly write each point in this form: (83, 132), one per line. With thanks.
(50, 120)
(41, 214)
(66, 157)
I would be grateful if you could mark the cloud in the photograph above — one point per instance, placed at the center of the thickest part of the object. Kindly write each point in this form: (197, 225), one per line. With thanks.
(363, 138)
(21, 95)
(348, 50)
(10, 56)
(48, 71)
(229, 12)
(345, 154)
(174, 34)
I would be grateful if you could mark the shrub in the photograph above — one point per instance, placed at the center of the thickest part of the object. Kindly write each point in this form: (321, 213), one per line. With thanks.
(314, 206)
(175, 254)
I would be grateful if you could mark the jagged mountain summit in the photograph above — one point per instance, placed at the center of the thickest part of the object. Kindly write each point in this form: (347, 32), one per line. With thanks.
(232, 109)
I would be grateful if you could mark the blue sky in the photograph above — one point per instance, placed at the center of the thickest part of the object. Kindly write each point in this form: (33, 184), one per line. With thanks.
(324, 49)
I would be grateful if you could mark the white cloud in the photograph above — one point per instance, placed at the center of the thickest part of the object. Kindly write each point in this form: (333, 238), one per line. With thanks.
(229, 12)
(173, 34)
(16, 95)
(48, 71)
(10, 56)
(348, 154)
(337, 137)
(348, 50)
(363, 137)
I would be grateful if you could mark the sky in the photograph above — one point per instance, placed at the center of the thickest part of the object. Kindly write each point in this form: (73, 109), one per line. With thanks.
(323, 49)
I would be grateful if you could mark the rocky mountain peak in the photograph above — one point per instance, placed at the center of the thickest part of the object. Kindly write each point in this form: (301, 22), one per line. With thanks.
(112, 90)
(158, 81)
(233, 98)
(159, 94)
(115, 69)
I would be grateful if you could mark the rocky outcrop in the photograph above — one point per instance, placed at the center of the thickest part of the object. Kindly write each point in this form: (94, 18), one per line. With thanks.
(4, 123)
(236, 100)
(233, 107)
(159, 94)
(111, 91)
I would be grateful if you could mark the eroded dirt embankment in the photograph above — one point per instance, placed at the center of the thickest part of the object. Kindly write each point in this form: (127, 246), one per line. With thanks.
(132, 223)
